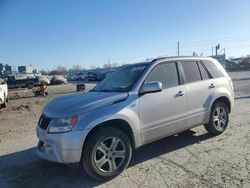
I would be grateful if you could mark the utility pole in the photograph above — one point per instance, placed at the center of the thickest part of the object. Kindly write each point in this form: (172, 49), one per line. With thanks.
(178, 48)
(217, 47)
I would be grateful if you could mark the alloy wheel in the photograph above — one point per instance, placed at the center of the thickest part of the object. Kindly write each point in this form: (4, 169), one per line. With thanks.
(220, 118)
(110, 154)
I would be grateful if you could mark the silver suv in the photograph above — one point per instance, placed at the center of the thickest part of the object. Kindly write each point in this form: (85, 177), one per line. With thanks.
(135, 105)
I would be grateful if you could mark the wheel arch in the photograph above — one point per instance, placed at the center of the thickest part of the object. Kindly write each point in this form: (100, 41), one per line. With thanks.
(116, 123)
(223, 99)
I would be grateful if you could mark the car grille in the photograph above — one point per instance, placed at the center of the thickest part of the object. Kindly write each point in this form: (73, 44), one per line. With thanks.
(44, 122)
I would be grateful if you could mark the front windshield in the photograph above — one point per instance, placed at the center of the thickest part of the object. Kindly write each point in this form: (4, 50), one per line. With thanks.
(121, 80)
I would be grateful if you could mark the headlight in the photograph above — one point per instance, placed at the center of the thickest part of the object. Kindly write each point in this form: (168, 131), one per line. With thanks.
(62, 125)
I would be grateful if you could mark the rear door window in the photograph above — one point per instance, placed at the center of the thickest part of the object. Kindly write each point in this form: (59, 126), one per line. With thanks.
(191, 71)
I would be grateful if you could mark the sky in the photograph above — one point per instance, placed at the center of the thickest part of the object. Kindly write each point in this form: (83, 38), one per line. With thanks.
(49, 33)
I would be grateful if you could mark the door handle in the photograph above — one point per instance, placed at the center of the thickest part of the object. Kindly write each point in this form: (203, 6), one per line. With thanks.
(179, 94)
(211, 86)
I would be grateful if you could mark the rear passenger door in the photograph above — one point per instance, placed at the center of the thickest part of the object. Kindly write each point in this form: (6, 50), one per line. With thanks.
(199, 87)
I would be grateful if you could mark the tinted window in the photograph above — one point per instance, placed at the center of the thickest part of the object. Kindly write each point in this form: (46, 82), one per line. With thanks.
(204, 73)
(166, 73)
(212, 68)
(191, 71)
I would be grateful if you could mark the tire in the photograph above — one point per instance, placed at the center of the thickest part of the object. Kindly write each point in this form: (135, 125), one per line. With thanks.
(30, 85)
(94, 153)
(218, 120)
(4, 105)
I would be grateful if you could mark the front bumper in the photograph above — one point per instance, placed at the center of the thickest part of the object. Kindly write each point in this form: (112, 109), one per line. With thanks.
(61, 147)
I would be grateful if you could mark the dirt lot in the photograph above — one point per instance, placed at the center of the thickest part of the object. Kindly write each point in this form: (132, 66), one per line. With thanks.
(190, 159)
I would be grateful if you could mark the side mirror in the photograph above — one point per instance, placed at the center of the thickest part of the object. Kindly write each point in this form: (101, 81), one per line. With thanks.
(151, 87)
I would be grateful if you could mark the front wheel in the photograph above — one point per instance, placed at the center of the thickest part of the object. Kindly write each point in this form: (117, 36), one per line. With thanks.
(106, 153)
(218, 120)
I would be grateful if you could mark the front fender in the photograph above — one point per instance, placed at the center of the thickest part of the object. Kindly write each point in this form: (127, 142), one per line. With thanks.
(125, 110)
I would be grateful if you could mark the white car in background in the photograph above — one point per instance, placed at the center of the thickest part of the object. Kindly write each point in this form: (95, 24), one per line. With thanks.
(3, 93)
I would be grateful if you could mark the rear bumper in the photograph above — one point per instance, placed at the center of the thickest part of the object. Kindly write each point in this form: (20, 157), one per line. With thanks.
(63, 147)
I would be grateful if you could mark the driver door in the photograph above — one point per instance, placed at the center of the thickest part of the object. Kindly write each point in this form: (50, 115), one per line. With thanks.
(163, 113)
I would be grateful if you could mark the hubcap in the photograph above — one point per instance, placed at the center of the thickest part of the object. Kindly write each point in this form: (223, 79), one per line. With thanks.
(110, 154)
(220, 118)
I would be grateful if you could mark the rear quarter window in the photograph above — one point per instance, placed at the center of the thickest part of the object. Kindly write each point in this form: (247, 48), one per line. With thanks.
(204, 73)
(213, 69)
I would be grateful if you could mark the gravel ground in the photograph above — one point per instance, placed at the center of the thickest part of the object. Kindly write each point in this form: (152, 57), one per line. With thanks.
(241, 82)
(190, 159)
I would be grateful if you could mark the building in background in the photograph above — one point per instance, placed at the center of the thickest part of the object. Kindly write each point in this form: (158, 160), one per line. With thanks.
(8, 70)
(5, 69)
(1, 69)
(25, 69)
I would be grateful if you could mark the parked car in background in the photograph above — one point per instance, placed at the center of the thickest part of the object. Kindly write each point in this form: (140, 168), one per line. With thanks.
(71, 77)
(92, 76)
(81, 76)
(135, 105)
(15, 82)
(57, 80)
(3, 93)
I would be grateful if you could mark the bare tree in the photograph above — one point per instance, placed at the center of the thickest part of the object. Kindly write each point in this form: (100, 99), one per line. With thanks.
(44, 72)
(109, 65)
(92, 67)
(61, 70)
(115, 64)
(76, 68)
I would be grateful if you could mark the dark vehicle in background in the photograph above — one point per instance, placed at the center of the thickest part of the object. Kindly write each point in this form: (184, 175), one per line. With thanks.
(238, 64)
(96, 76)
(14, 82)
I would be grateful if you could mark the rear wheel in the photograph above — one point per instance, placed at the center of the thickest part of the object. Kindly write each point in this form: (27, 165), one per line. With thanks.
(4, 102)
(30, 85)
(218, 119)
(106, 153)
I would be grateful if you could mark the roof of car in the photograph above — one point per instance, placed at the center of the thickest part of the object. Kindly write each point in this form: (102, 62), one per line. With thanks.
(169, 58)
(176, 58)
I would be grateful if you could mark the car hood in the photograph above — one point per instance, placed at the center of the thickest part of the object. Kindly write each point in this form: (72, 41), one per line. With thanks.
(74, 104)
